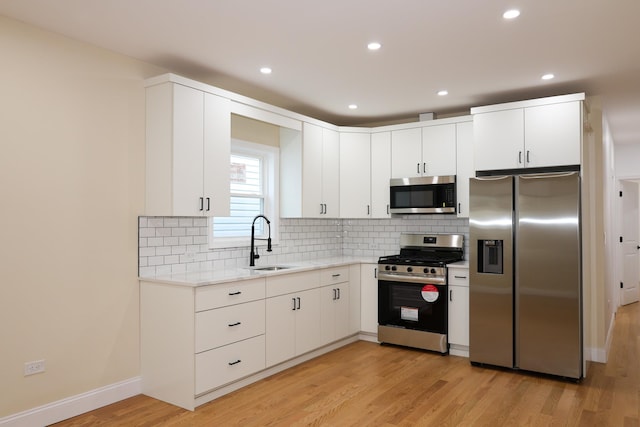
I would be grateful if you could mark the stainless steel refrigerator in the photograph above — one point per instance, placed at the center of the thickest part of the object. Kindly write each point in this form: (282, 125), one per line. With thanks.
(525, 273)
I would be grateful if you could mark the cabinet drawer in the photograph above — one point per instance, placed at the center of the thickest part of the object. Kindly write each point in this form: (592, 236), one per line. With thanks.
(329, 276)
(222, 326)
(225, 294)
(223, 365)
(458, 276)
(294, 282)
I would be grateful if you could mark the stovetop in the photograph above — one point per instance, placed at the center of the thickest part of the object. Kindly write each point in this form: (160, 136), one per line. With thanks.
(419, 262)
(424, 250)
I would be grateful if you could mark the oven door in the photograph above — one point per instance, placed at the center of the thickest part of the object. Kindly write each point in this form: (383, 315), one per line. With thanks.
(418, 306)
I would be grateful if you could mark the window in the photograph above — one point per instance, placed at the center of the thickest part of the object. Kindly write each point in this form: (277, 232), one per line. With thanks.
(253, 187)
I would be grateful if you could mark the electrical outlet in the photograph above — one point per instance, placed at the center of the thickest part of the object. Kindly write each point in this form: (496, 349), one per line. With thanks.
(34, 367)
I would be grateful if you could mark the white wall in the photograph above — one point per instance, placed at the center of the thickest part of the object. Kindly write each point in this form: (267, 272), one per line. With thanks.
(72, 186)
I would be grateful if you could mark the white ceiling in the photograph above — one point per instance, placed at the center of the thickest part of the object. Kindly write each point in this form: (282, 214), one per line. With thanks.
(317, 50)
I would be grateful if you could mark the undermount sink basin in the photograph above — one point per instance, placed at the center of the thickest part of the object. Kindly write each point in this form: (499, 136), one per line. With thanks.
(271, 268)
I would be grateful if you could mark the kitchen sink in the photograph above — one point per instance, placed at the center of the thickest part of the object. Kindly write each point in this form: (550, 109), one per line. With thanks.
(271, 268)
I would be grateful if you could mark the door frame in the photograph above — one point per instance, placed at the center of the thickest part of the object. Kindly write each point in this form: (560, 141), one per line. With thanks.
(618, 250)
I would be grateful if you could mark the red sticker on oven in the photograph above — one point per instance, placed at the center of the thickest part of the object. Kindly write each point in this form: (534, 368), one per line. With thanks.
(430, 293)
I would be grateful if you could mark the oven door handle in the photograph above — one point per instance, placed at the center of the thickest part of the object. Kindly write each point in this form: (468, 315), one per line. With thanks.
(392, 277)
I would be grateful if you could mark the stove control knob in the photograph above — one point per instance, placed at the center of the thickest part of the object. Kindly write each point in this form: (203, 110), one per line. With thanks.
(409, 269)
(426, 271)
(433, 271)
(394, 268)
(386, 267)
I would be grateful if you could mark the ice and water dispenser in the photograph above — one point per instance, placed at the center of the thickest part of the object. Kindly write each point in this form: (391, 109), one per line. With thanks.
(490, 256)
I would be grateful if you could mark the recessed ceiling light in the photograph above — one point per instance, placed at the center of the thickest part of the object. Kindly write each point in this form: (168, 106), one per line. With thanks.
(265, 70)
(443, 92)
(511, 14)
(374, 46)
(353, 107)
(548, 76)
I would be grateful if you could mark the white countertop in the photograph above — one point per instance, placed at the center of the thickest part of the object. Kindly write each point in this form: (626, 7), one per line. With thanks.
(225, 275)
(459, 264)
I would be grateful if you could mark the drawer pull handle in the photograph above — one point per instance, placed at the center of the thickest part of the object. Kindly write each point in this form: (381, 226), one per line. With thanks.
(335, 275)
(235, 363)
(234, 324)
(460, 277)
(234, 293)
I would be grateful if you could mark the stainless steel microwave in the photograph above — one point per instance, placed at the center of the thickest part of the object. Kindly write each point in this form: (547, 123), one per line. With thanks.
(423, 195)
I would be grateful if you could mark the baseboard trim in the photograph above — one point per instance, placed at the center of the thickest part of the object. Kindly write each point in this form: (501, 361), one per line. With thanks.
(601, 354)
(74, 405)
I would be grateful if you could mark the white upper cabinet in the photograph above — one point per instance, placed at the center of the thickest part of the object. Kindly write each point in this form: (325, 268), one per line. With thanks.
(499, 139)
(537, 133)
(187, 152)
(553, 134)
(423, 151)
(320, 172)
(406, 153)
(439, 150)
(355, 170)
(380, 174)
(464, 166)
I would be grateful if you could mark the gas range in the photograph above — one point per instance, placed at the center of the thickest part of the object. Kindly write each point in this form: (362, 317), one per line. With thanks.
(412, 291)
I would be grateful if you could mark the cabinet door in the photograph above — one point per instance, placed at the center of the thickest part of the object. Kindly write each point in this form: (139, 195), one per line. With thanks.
(369, 298)
(280, 329)
(459, 315)
(464, 168)
(311, 170)
(342, 311)
(217, 147)
(439, 150)
(354, 298)
(331, 173)
(188, 137)
(307, 324)
(380, 174)
(498, 140)
(553, 134)
(334, 312)
(406, 153)
(328, 321)
(355, 170)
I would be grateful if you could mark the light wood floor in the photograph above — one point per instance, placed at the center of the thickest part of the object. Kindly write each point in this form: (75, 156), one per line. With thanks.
(368, 384)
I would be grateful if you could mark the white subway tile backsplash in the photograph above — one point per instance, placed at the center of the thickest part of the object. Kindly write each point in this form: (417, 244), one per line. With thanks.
(180, 244)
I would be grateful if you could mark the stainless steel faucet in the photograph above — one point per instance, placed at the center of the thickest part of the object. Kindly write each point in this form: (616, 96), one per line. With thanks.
(254, 253)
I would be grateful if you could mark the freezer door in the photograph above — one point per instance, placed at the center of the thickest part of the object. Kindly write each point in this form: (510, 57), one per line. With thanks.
(490, 285)
(548, 279)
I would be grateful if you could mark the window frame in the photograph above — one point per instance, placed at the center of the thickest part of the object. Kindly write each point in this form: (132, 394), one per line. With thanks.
(271, 185)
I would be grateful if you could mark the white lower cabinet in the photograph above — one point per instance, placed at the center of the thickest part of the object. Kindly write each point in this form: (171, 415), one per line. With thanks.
(229, 363)
(334, 305)
(196, 339)
(198, 342)
(369, 299)
(458, 310)
(292, 315)
(293, 325)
